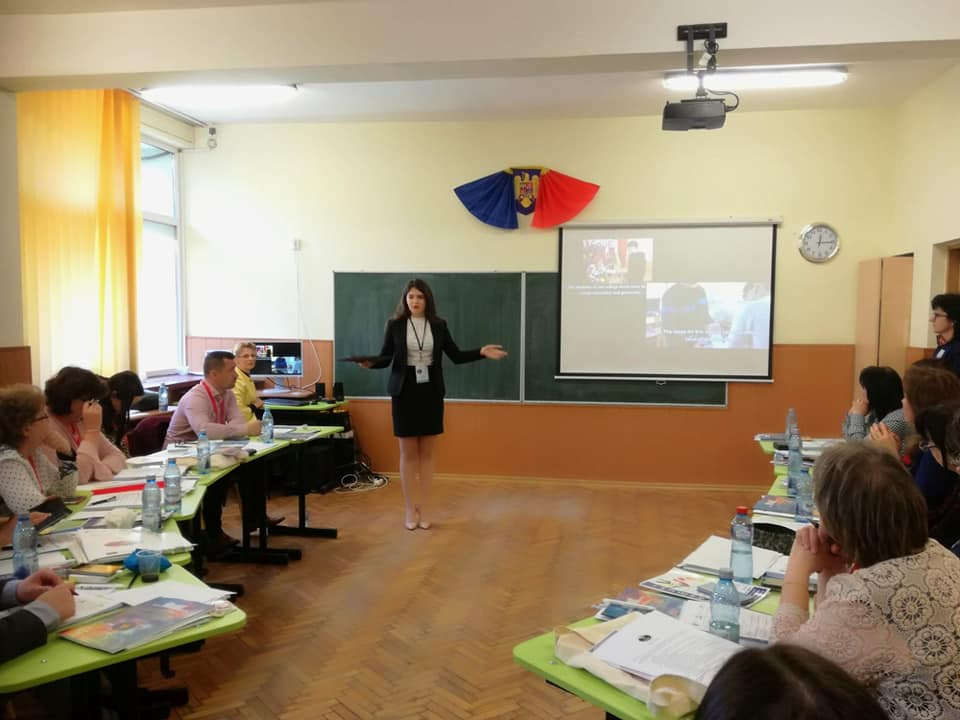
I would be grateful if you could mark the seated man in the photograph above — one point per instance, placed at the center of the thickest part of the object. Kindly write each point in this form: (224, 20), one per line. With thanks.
(212, 407)
(47, 601)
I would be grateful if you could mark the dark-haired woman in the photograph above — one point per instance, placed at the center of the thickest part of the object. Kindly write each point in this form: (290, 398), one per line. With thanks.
(887, 594)
(786, 682)
(73, 403)
(125, 389)
(939, 428)
(413, 346)
(880, 399)
(944, 318)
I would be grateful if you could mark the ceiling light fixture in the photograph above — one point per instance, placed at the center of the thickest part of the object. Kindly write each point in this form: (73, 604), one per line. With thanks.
(760, 78)
(224, 97)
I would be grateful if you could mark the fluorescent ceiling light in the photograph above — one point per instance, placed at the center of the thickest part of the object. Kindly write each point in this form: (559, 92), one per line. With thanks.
(222, 97)
(758, 78)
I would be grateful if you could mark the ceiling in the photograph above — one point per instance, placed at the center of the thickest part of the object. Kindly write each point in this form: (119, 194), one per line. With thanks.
(459, 60)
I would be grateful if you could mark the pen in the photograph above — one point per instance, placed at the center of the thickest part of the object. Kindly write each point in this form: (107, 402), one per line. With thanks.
(104, 500)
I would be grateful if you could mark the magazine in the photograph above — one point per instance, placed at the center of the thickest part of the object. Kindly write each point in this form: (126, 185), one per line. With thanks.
(138, 625)
(679, 583)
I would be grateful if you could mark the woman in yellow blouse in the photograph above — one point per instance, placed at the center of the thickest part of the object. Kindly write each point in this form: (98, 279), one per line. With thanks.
(245, 390)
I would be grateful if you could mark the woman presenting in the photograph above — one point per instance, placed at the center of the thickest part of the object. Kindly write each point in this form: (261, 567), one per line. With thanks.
(413, 347)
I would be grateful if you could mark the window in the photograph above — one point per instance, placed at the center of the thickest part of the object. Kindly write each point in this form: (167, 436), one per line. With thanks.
(159, 322)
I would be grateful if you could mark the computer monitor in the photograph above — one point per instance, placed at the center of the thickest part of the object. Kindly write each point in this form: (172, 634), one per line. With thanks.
(278, 358)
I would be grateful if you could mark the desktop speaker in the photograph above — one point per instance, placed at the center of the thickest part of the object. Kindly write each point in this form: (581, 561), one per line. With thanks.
(338, 391)
(319, 391)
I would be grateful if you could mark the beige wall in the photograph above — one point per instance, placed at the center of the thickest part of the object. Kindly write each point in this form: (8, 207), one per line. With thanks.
(926, 168)
(11, 303)
(378, 197)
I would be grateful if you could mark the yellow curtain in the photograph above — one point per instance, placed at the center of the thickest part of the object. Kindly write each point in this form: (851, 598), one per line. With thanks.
(78, 154)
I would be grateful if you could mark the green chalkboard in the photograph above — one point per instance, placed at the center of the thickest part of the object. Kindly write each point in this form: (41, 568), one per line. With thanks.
(542, 343)
(479, 308)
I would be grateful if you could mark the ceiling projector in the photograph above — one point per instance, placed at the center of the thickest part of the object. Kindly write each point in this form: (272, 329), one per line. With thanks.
(695, 114)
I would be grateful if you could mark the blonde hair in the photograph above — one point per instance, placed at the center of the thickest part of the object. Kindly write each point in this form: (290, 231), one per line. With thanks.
(869, 503)
(244, 346)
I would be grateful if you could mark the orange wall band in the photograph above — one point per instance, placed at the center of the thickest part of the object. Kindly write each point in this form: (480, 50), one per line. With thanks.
(640, 444)
(633, 443)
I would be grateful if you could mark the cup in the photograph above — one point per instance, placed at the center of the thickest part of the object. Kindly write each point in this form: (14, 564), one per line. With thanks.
(148, 562)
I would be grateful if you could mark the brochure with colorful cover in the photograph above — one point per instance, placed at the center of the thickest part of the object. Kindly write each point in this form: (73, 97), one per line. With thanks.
(138, 625)
(677, 582)
(776, 505)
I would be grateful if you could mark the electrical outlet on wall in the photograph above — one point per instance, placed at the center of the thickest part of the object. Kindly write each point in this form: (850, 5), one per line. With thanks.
(297, 244)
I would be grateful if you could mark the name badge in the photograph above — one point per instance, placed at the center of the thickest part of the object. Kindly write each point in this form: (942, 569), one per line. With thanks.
(423, 374)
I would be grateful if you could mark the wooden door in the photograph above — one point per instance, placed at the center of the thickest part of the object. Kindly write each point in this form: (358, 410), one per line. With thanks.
(896, 292)
(867, 334)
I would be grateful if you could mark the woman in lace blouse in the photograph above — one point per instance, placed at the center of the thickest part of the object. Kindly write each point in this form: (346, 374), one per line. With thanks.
(888, 603)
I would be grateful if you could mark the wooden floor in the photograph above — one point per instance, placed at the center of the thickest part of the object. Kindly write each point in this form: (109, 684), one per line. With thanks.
(388, 623)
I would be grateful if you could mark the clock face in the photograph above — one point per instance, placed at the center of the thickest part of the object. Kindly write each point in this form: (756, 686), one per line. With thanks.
(819, 242)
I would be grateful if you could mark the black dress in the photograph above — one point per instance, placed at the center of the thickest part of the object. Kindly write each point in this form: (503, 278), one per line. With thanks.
(418, 407)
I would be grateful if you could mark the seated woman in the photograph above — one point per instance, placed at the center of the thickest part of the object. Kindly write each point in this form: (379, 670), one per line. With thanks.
(887, 595)
(125, 389)
(939, 428)
(880, 399)
(27, 476)
(73, 403)
(786, 682)
(925, 384)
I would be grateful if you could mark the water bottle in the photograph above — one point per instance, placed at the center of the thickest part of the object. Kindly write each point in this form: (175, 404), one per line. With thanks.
(163, 399)
(725, 608)
(150, 516)
(741, 546)
(794, 463)
(25, 558)
(266, 426)
(804, 496)
(791, 423)
(203, 453)
(171, 488)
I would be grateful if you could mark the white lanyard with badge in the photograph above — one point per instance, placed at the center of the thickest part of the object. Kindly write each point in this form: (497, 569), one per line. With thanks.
(420, 369)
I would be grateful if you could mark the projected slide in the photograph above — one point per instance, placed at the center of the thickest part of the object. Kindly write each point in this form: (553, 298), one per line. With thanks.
(686, 302)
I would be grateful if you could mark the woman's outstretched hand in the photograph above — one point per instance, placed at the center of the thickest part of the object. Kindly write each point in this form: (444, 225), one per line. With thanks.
(493, 352)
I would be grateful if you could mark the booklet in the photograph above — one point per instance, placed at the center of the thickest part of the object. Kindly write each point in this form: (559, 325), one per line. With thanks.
(654, 644)
(105, 545)
(139, 625)
(89, 604)
(714, 554)
(678, 583)
(776, 505)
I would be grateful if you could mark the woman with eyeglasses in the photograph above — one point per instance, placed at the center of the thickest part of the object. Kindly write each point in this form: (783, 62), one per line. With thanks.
(944, 318)
(27, 476)
(880, 399)
(244, 389)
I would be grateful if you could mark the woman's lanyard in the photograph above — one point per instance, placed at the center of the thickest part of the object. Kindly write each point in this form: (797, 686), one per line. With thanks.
(219, 410)
(36, 474)
(420, 341)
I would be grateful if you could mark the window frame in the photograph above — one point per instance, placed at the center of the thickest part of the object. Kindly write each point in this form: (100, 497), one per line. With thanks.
(175, 221)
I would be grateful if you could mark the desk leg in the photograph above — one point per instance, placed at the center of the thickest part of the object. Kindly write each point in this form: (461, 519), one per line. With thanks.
(302, 529)
(253, 500)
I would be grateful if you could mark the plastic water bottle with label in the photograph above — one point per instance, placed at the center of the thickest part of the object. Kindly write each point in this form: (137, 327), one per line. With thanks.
(171, 488)
(725, 608)
(150, 514)
(25, 558)
(163, 398)
(266, 427)
(203, 453)
(804, 488)
(741, 546)
(794, 460)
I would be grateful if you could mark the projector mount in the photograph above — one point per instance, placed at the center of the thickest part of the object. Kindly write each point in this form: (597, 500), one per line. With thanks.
(709, 33)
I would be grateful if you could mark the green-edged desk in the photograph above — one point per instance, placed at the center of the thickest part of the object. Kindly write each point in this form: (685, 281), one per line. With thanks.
(536, 655)
(317, 413)
(60, 659)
